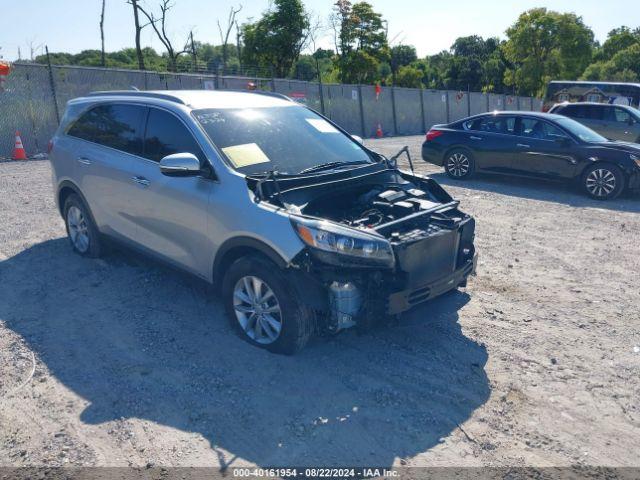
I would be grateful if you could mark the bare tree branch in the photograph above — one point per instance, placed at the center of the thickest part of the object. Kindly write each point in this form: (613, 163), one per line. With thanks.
(161, 31)
(224, 36)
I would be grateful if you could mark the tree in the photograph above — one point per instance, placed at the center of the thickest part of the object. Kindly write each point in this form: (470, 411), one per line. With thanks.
(276, 40)
(161, 31)
(138, 29)
(618, 39)
(400, 56)
(102, 58)
(544, 44)
(224, 37)
(408, 76)
(361, 41)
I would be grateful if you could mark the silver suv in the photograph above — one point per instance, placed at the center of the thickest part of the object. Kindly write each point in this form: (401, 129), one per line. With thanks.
(303, 228)
(615, 122)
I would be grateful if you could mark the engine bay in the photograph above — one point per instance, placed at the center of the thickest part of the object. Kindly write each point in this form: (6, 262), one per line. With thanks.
(392, 210)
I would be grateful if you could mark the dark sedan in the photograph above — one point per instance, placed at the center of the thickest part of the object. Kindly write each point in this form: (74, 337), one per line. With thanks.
(534, 144)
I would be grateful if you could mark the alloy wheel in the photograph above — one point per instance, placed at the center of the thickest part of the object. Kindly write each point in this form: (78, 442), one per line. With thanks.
(601, 182)
(257, 310)
(78, 229)
(458, 165)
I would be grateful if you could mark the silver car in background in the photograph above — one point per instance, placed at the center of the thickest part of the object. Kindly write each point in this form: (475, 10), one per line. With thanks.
(614, 122)
(303, 228)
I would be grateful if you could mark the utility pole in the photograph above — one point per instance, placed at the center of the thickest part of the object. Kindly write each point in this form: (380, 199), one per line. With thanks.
(102, 59)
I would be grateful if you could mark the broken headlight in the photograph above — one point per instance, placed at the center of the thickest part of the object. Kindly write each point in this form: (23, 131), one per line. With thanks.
(339, 245)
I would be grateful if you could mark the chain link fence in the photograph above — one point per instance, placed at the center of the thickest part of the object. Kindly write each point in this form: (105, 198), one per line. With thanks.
(34, 98)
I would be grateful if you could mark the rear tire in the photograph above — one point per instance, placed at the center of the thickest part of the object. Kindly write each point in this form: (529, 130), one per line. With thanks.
(82, 231)
(459, 164)
(263, 307)
(603, 181)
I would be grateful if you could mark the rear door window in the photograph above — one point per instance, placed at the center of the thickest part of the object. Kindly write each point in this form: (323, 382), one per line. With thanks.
(621, 115)
(595, 112)
(495, 124)
(166, 135)
(112, 125)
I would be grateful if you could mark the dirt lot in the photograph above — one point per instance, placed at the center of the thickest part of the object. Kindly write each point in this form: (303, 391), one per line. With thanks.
(536, 363)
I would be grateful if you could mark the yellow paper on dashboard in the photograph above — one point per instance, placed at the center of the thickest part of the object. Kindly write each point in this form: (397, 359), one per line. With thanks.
(245, 155)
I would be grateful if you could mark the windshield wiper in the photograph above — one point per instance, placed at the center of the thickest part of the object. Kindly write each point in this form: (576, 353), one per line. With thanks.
(331, 165)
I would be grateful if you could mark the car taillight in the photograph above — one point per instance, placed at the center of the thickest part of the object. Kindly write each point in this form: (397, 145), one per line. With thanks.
(50, 146)
(431, 134)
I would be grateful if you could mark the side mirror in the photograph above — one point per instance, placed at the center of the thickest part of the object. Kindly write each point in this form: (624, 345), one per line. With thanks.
(358, 139)
(180, 165)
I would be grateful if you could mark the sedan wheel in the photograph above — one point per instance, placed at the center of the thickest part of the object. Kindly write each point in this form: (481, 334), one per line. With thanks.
(257, 310)
(458, 165)
(78, 229)
(603, 182)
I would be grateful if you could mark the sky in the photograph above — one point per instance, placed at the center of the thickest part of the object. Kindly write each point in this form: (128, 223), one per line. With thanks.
(72, 25)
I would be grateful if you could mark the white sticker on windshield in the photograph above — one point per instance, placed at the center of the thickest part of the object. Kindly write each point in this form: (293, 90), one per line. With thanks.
(245, 155)
(322, 125)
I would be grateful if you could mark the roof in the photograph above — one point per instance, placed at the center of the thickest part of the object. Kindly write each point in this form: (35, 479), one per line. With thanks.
(587, 82)
(597, 104)
(197, 99)
(520, 112)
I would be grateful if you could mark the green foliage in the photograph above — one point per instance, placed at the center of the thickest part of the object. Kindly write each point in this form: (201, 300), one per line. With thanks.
(402, 55)
(543, 45)
(618, 39)
(619, 58)
(409, 76)
(277, 38)
(362, 41)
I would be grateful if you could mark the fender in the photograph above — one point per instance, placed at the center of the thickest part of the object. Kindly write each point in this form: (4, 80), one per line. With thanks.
(69, 184)
(244, 243)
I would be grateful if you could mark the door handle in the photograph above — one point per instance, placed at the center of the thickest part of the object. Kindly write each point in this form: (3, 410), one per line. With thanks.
(84, 160)
(143, 182)
(472, 137)
(522, 145)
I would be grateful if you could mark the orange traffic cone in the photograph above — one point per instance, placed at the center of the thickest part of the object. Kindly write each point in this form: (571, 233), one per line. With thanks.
(379, 133)
(18, 151)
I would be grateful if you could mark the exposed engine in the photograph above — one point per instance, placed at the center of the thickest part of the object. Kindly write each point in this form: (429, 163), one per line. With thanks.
(377, 206)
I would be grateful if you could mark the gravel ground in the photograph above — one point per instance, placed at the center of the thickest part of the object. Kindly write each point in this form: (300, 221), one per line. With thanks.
(121, 361)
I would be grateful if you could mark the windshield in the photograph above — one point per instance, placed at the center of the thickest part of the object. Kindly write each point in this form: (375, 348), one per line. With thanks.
(579, 130)
(288, 139)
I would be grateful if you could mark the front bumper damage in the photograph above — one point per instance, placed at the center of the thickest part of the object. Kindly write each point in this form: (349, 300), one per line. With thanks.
(364, 297)
(402, 301)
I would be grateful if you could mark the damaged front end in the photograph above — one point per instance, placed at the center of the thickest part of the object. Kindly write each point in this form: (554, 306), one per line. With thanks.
(378, 242)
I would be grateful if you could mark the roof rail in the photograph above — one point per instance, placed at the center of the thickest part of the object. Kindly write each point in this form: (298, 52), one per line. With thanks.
(272, 94)
(137, 93)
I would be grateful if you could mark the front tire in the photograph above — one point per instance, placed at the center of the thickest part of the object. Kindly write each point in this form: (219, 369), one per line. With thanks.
(459, 164)
(603, 181)
(263, 307)
(82, 232)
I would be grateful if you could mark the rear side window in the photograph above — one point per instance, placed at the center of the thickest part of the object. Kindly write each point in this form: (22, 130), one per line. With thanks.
(115, 126)
(166, 135)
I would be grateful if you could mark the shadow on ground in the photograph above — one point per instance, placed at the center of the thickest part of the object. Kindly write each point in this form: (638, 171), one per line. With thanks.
(542, 190)
(140, 341)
